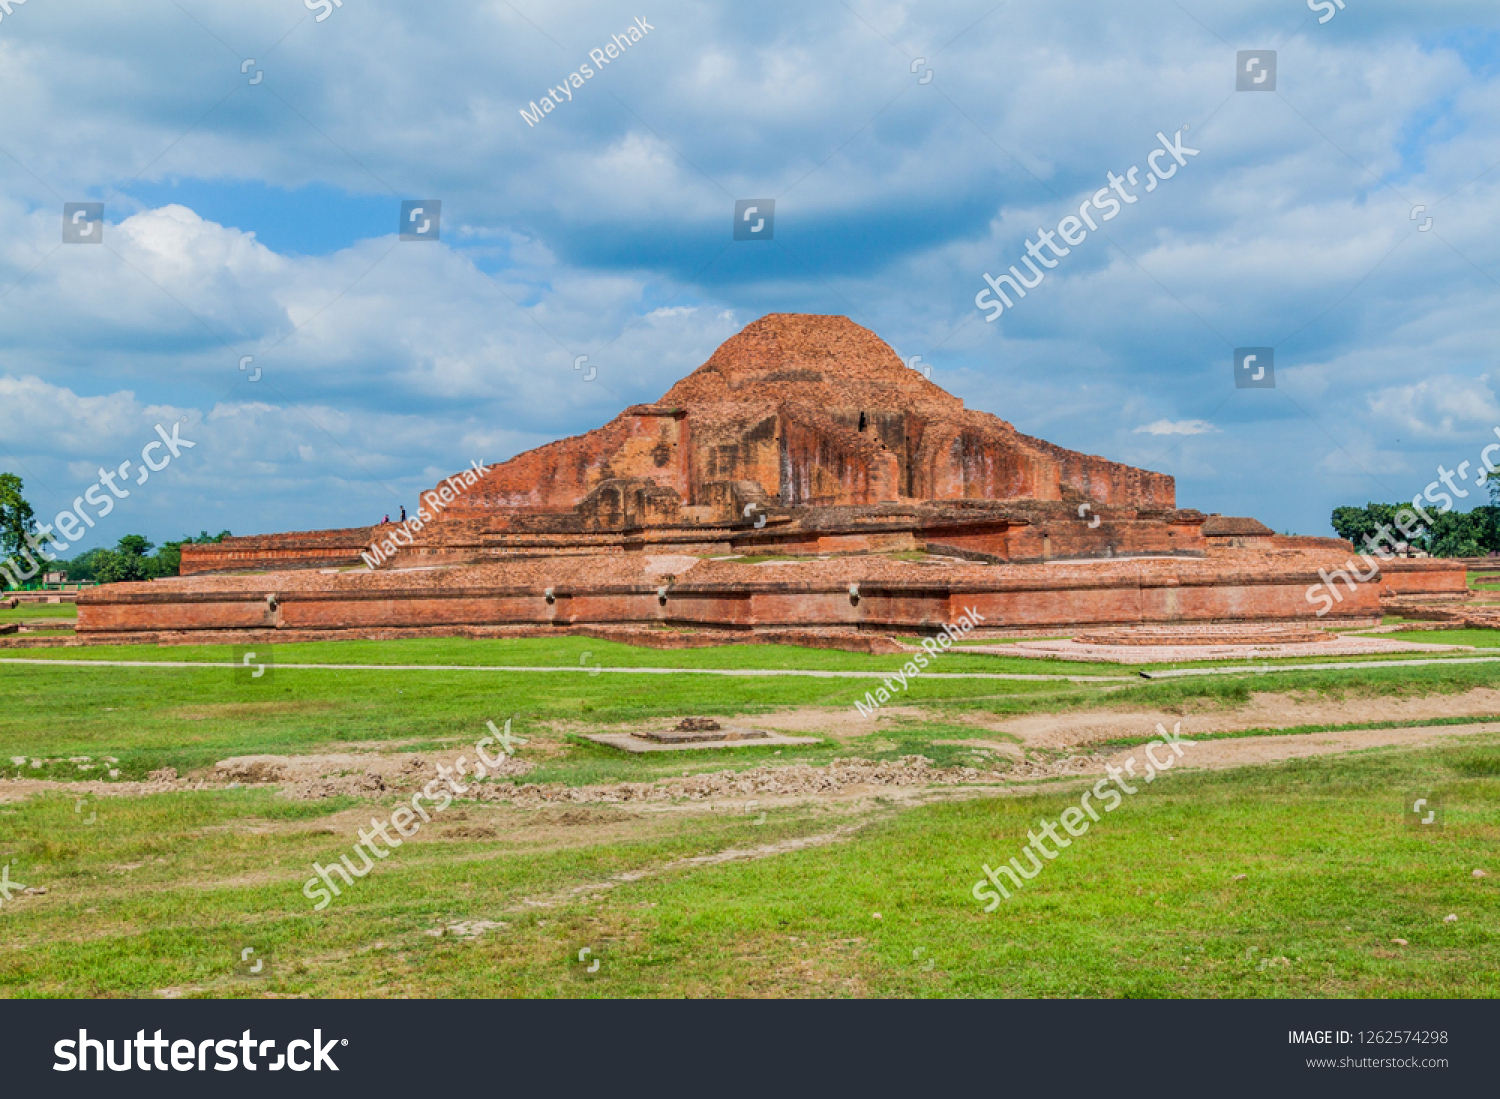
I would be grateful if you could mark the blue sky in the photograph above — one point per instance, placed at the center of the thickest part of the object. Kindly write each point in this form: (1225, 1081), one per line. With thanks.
(260, 218)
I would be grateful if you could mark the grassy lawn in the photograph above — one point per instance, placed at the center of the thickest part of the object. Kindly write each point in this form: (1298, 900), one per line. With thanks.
(188, 718)
(160, 892)
(584, 652)
(1147, 905)
(1481, 639)
(66, 613)
(575, 652)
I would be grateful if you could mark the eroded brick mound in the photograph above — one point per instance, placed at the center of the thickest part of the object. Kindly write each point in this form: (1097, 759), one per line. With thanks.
(822, 361)
(1248, 633)
(1470, 610)
(801, 434)
(793, 411)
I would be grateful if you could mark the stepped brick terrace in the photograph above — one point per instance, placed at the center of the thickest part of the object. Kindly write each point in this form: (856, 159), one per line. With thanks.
(886, 505)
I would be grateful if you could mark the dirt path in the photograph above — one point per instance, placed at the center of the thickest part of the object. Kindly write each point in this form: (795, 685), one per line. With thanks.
(1082, 728)
(1217, 755)
(1263, 711)
(847, 781)
(595, 890)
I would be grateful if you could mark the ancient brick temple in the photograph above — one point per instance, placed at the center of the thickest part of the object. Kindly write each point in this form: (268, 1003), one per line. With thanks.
(801, 434)
(802, 437)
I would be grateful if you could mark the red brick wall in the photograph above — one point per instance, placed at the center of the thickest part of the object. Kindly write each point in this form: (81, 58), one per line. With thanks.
(890, 596)
(825, 464)
(299, 549)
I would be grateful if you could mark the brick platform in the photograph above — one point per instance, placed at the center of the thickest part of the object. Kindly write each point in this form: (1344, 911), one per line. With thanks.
(1175, 654)
(860, 594)
(1195, 634)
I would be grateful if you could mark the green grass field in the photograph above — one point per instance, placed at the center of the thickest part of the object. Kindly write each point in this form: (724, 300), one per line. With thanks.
(187, 718)
(65, 613)
(158, 893)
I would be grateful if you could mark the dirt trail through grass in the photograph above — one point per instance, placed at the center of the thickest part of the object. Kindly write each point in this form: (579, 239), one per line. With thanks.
(1217, 755)
(594, 890)
(1263, 711)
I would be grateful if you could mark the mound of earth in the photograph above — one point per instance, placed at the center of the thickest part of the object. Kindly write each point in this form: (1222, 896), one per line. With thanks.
(324, 776)
(791, 779)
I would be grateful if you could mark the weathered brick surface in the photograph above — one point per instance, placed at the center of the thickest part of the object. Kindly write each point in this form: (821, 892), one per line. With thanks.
(301, 549)
(1423, 576)
(641, 590)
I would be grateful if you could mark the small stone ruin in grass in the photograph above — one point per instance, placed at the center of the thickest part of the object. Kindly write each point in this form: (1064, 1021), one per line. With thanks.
(692, 730)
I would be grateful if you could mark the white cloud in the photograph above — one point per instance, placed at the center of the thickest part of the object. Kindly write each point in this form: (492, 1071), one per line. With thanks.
(1177, 427)
(1438, 408)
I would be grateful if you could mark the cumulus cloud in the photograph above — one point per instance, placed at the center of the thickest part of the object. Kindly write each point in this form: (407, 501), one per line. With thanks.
(1176, 427)
(1443, 407)
(605, 231)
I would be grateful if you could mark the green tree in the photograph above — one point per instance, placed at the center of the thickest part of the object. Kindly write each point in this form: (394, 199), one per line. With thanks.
(126, 562)
(169, 558)
(1355, 523)
(1464, 534)
(85, 566)
(1473, 533)
(16, 517)
(16, 521)
(132, 561)
(136, 545)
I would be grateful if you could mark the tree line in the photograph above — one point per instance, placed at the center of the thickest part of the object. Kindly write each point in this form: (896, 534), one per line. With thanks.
(130, 559)
(1474, 533)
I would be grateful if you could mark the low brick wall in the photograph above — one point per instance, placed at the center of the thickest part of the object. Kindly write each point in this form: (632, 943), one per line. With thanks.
(21, 598)
(299, 550)
(1424, 576)
(887, 596)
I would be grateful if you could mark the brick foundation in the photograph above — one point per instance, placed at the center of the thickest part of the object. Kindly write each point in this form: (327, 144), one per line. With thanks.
(858, 595)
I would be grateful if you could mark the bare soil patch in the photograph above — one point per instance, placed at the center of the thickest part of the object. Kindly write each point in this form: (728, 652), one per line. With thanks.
(209, 711)
(1141, 652)
(797, 780)
(1263, 711)
(1214, 755)
(329, 775)
(838, 722)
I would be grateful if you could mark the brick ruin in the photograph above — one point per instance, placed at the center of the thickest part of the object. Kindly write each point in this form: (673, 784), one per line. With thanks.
(801, 437)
